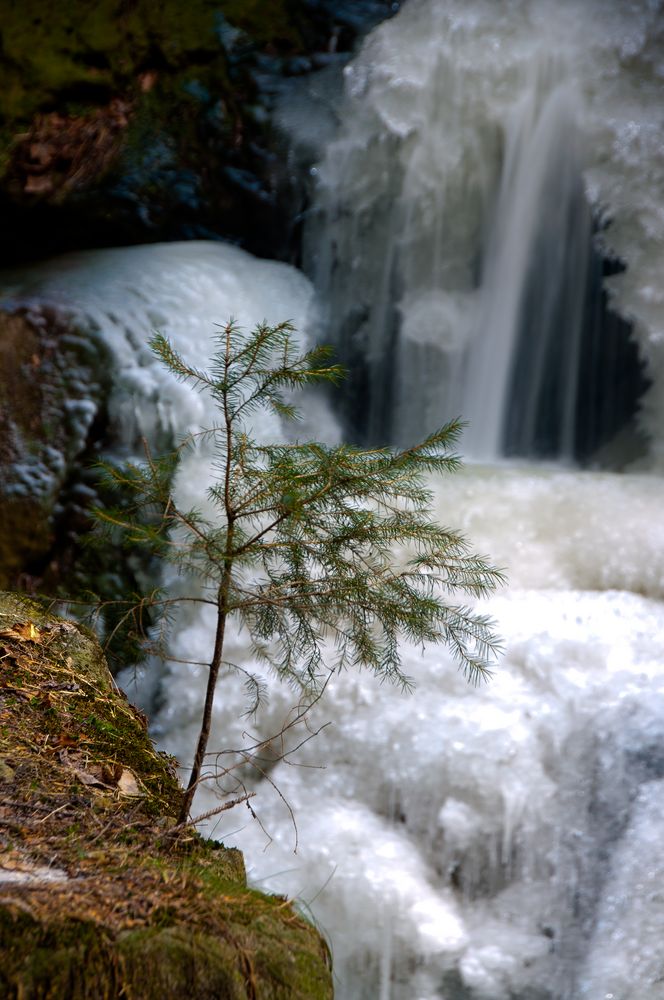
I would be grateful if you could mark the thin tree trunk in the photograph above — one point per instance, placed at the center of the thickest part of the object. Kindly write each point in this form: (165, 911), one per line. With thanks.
(206, 721)
(222, 606)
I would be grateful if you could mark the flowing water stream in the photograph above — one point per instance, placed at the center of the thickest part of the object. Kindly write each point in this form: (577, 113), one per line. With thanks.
(481, 144)
(487, 238)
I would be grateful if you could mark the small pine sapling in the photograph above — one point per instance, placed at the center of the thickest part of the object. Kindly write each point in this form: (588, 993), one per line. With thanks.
(299, 545)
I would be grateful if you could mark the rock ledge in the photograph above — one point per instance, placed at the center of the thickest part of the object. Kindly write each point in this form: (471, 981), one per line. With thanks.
(98, 898)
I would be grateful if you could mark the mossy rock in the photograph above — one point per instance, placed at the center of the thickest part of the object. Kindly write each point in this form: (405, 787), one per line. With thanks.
(84, 51)
(118, 118)
(100, 895)
(125, 121)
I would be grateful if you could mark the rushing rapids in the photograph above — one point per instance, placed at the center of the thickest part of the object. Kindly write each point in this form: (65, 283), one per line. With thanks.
(502, 842)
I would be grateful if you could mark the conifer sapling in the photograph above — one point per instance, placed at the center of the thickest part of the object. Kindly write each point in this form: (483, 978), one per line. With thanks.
(299, 544)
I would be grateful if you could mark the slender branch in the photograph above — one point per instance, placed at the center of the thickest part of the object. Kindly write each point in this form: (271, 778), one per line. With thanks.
(212, 812)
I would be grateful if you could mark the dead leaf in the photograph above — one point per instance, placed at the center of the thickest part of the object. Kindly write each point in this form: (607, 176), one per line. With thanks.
(147, 80)
(87, 778)
(22, 632)
(66, 627)
(65, 740)
(35, 184)
(84, 775)
(40, 153)
(127, 783)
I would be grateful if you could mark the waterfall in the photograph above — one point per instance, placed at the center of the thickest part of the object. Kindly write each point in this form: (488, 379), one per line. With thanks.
(452, 232)
(487, 238)
(540, 237)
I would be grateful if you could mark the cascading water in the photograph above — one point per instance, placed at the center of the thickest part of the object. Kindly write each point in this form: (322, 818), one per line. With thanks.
(500, 843)
(537, 249)
(452, 236)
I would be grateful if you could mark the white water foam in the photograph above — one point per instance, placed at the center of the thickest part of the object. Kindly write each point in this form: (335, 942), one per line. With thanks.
(458, 842)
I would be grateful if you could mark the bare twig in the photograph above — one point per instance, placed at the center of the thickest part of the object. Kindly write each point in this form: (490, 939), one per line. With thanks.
(212, 812)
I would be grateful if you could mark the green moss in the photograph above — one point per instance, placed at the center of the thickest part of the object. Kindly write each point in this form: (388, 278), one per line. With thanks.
(177, 962)
(83, 50)
(138, 912)
(77, 960)
(45, 961)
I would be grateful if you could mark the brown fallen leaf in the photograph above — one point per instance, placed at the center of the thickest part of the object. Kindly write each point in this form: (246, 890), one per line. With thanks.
(147, 80)
(40, 152)
(127, 784)
(35, 184)
(22, 632)
(63, 626)
(66, 740)
(88, 777)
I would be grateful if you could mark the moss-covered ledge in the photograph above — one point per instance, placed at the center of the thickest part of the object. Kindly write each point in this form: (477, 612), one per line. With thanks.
(98, 899)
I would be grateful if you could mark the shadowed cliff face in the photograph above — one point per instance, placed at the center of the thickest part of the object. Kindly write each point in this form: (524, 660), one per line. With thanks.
(124, 121)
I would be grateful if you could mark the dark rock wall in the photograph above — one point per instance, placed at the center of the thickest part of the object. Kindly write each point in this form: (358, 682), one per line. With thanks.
(126, 121)
(53, 388)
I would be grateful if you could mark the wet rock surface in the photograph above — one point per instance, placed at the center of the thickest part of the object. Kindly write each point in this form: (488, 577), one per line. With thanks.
(53, 389)
(127, 122)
